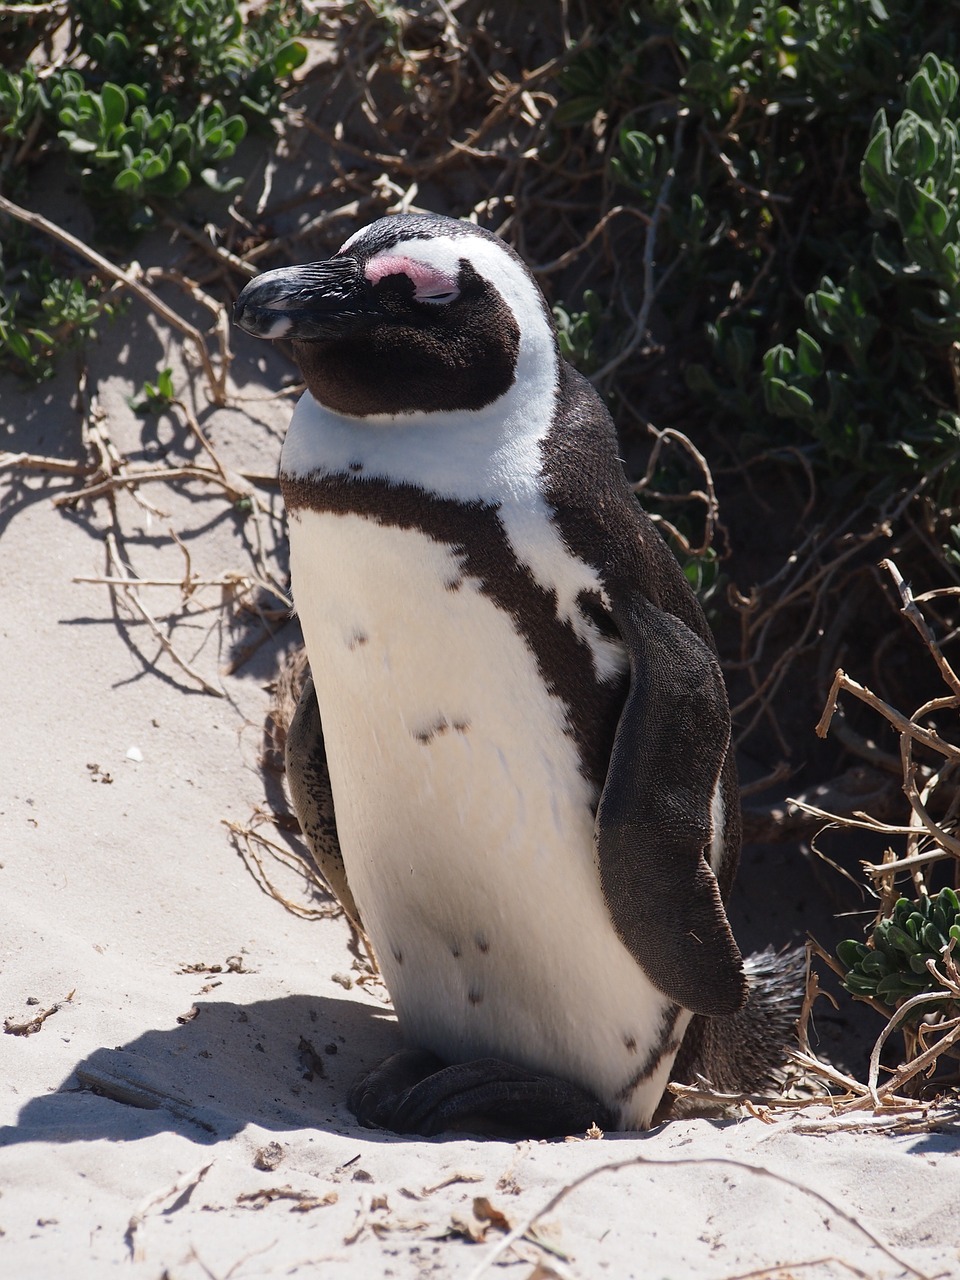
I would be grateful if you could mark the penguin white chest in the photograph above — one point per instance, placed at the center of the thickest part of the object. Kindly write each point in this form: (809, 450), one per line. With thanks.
(465, 822)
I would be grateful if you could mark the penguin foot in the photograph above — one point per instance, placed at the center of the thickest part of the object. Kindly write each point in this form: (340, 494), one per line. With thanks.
(413, 1092)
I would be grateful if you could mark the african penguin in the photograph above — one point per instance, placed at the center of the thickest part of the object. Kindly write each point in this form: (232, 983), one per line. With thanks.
(513, 761)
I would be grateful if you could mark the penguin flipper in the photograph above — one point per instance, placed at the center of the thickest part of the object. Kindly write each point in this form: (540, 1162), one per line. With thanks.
(308, 776)
(654, 821)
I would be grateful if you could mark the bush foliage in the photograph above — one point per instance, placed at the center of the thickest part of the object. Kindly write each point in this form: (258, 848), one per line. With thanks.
(811, 231)
(152, 98)
(801, 159)
(904, 947)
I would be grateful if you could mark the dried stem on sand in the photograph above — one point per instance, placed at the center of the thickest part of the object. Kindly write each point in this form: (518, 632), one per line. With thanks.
(926, 843)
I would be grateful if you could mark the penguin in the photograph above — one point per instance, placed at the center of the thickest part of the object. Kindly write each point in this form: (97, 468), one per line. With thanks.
(512, 761)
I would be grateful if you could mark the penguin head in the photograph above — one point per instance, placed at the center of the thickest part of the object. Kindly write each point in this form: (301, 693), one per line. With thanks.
(415, 313)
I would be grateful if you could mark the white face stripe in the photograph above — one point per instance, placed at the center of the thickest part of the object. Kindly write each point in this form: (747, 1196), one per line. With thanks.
(350, 240)
(428, 281)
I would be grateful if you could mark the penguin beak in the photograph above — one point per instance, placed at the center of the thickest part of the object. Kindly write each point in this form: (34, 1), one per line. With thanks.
(321, 301)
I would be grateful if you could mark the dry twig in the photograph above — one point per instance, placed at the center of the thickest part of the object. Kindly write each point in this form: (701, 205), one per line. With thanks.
(180, 1191)
(617, 1166)
(252, 845)
(216, 380)
(943, 846)
(128, 592)
(30, 1026)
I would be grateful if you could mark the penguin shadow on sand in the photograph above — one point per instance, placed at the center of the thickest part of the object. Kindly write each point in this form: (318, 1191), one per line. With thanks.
(282, 1064)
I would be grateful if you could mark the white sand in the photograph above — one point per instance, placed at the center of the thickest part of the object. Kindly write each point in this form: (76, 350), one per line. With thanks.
(109, 889)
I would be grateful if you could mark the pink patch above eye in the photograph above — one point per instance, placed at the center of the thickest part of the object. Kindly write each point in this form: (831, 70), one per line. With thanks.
(427, 281)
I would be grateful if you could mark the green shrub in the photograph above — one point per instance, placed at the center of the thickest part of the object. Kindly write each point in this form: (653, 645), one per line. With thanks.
(808, 251)
(894, 967)
(41, 311)
(859, 378)
(152, 100)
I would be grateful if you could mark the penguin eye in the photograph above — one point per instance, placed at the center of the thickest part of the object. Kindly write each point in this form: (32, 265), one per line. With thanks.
(430, 283)
(437, 297)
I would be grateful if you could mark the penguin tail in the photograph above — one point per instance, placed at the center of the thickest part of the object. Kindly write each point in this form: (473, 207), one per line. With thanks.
(746, 1050)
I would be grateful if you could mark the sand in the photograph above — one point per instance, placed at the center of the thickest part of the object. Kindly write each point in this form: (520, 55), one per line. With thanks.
(180, 1112)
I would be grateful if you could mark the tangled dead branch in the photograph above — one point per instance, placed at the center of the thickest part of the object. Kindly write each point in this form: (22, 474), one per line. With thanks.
(928, 841)
(107, 473)
(255, 847)
(930, 849)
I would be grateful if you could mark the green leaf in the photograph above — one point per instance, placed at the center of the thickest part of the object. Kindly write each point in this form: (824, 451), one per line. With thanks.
(577, 110)
(19, 344)
(898, 939)
(851, 952)
(127, 180)
(787, 400)
(932, 938)
(114, 104)
(174, 181)
(288, 57)
(639, 151)
(876, 964)
(180, 176)
(165, 384)
(921, 95)
(936, 218)
(876, 168)
(153, 168)
(779, 361)
(860, 985)
(740, 351)
(181, 138)
(927, 146)
(235, 128)
(909, 211)
(157, 128)
(809, 355)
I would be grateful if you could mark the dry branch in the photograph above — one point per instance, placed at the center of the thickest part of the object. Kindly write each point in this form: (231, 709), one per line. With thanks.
(216, 381)
(944, 846)
(39, 462)
(128, 592)
(843, 683)
(908, 608)
(252, 845)
(30, 1026)
(616, 1166)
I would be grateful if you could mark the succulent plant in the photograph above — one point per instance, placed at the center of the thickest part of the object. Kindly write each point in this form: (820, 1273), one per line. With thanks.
(892, 966)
